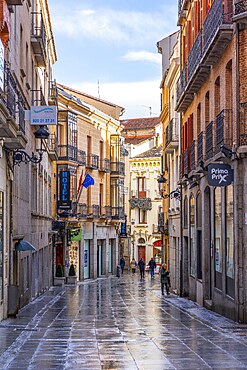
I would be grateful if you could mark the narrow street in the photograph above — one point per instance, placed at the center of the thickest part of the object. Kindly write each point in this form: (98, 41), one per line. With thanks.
(119, 323)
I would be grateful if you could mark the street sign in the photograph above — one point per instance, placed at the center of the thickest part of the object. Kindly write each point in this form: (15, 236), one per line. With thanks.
(220, 174)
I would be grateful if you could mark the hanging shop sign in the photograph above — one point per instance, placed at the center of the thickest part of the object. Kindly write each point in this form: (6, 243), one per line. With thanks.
(123, 229)
(58, 225)
(75, 235)
(43, 115)
(220, 174)
(64, 201)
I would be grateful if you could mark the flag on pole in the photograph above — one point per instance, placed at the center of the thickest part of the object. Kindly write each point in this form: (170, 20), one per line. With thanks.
(80, 183)
(88, 181)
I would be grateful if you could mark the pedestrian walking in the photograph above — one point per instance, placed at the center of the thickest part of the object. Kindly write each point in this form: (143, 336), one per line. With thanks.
(141, 265)
(122, 264)
(164, 279)
(133, 265)
(152, 266)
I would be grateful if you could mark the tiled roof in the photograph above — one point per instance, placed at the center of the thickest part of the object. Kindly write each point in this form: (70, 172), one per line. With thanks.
(154, 152)
(140, 123)
(137, 139)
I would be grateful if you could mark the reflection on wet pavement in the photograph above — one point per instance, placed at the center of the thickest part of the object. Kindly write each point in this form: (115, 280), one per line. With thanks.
(118, 324)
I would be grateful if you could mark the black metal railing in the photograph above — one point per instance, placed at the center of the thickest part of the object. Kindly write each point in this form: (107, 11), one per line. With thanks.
(195, 55)
(243, 123)
(11, 90)
(240, 7)
(223, 129)
(209, 141)
(92, 161)
(118, 213)
(21, 113)
(38, 97)
(182, 82)
(81, 157)
(172, 132)
(82, 210)
(106, 212)
(104, 165)
(117, 168)
(52, 91)
(215, 18)
(193, 155)
(67, 153)
(200, 154)
(53, 143)
(186, 161)
(38, 26)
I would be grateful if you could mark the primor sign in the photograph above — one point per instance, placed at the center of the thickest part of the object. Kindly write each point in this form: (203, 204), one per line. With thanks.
(220, 174)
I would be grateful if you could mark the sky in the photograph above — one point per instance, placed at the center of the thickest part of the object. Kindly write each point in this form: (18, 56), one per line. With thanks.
(107, 48)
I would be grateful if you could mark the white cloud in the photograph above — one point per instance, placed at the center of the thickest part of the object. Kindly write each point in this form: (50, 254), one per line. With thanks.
(136, 97)
(143, 56)
(108, 25)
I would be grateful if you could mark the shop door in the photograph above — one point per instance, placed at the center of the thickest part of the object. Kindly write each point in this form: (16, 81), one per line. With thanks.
(99, 260)
(86, 259)
(110, 258)
(141, 252)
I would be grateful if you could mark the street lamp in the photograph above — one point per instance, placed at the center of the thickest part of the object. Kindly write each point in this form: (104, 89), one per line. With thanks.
(22, 156)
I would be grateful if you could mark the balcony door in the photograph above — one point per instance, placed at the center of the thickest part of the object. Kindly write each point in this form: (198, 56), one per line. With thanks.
(141, 186)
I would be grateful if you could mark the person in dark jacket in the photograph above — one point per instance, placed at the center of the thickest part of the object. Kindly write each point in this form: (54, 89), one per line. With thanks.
(164, 279)
(152, 266)
(122, 263)
(141, 265)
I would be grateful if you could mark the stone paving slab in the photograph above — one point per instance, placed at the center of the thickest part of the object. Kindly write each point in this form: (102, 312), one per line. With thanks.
(119, 324)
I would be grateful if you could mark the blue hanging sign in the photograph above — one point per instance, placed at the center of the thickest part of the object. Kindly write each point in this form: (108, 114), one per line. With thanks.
(64, 201)
(220, 174)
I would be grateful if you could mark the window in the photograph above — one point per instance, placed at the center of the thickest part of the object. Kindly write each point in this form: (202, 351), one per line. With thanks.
(141, 187)
(142, 216)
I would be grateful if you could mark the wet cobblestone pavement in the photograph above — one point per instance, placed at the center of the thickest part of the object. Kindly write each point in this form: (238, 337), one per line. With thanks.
(119, 324)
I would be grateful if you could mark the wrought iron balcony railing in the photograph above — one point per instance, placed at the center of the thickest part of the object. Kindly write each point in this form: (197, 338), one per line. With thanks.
(140, 194)
(195, 55)
(224, 129)
(38, 97)
(53, 146)
(209, 140)
(117, 168)
(240, 7)
(92, 161)
(218, 15)
(38, 38)
(172, 133)
(193, 155)
(118, 213)
(182, 81)
(243, 123)
(104, 165)
(81, 157)
(200, 153)
(106, 212)
(67, 153)
(186, 161)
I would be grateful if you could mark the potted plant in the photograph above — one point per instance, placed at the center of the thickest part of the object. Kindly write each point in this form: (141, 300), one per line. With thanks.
(71, 278)
(59, 277)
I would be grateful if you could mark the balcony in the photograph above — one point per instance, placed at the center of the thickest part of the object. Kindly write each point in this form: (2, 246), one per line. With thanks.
(193, 155)
(106, 212)
(240, 13)
(81, 157)
(206, 51)
(118, 213)
(209, 141)
(171, 136)
(12, 112)
(67, 153)
(52, 145)
(52, 93)
(38, 39)
(117, 168)
(243, 126)
(183, 6)
(224, 129)
(141, 203)
(38, 97)
(88, 212)
(14, 2)
(104, 165)
(200, 152)
(186, 161)
(140, 194)
(92, 161)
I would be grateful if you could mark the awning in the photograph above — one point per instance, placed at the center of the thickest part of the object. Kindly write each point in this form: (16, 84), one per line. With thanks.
(159, 248)
(23, 246)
